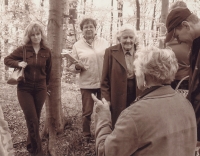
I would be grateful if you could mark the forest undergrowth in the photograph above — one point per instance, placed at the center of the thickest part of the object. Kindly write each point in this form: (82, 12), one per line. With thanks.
(69, 143)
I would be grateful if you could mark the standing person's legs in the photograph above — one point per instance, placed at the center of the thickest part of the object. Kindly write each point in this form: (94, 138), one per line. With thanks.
(39, 99)
(28, 97)
(87, 108)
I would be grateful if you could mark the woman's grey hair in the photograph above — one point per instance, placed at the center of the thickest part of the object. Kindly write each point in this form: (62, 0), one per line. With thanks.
(159, 64)
(30, 29)
(128, 27)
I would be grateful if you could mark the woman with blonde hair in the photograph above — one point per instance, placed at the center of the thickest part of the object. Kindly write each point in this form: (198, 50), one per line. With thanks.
(160, 122)
(32, 91)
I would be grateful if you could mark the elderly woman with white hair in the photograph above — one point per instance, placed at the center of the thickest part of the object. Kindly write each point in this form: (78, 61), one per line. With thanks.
(161, 122)
(118, 84)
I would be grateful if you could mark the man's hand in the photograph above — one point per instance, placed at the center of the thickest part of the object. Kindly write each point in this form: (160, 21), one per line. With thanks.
(101, 103)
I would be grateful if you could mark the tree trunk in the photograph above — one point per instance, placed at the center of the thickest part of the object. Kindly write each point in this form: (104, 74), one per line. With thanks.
(55, 122)
(164, 13)
(154, 14)
(101, 32)
(111, 22)
(120, 13)
(138, 15)
(84, 7)
(6, 53)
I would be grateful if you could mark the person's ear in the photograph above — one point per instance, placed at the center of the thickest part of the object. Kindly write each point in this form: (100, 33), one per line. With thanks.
(186, 24)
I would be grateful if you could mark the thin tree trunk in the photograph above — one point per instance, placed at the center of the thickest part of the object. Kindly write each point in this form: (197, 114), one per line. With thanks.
(84, 7)
(120, 13)
(101, 32)
(6, 53)
(164, 12)
(154, 14)
(138, 15)
(111, 22)
(6, 41)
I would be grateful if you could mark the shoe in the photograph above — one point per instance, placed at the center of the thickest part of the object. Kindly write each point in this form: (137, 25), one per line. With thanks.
(29, 148)
(86, 139)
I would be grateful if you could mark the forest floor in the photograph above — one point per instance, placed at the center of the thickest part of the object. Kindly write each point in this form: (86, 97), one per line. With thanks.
(69, 143)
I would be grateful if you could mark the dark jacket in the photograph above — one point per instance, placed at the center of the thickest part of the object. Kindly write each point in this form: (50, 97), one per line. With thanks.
(182, 52)
(114, 80)
(162, 123)
(39, 66)
(194, 87)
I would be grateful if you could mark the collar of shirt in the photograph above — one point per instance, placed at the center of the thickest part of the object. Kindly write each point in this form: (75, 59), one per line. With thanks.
(41, 45)
(87, 42)
(131, 51)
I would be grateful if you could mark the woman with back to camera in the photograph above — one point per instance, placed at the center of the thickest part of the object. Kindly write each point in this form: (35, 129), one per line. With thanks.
(161, 122)
(32, 92)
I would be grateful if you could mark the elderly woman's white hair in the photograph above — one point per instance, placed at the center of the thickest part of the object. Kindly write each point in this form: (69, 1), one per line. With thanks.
(159, 64)
(128, 27)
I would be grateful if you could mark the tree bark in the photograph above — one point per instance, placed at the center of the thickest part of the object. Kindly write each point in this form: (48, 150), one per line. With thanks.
(84, 5)
(54, 123)
(138, 15)
(154, 15)
(164, 13)
(120, 13)
(111, 22)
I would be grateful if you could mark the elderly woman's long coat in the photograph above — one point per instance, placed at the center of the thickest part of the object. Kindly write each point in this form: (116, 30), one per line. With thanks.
(114, 80)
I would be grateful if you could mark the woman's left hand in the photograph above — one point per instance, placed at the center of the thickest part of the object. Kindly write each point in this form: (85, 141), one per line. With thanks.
(22, 64)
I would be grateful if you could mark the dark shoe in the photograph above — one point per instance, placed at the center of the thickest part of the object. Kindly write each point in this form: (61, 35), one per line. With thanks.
(38, 154)
(29, 148)
(86, 139)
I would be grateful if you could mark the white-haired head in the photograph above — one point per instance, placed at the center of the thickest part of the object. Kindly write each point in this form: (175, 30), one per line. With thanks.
(159, 65)
(124, 28)
(125, 32)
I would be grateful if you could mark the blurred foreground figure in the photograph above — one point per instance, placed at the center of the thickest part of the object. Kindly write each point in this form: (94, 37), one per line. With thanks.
(6, 145)
(182, 52)
(184, 26)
